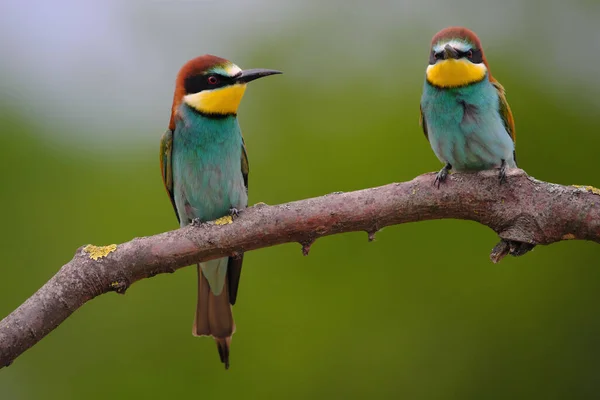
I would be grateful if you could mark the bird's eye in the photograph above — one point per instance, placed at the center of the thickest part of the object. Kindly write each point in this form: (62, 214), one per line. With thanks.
(470, 54)
(213, 80)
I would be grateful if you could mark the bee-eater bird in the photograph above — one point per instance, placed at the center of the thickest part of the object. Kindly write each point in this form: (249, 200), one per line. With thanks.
(205, 170)
(464, 113)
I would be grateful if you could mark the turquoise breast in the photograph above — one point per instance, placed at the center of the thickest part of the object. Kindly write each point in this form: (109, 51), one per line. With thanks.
(465, 128)
(207, 172)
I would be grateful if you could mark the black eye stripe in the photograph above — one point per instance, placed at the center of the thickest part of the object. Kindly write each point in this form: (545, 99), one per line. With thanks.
(476, 57)
(198, 83)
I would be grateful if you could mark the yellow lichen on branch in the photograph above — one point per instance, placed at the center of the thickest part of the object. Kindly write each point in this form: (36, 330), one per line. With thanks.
(589, 189)
(226, 220)
(97, 252)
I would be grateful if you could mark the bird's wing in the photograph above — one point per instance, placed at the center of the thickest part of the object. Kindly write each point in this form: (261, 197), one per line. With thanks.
(505, 113)
(245, 166)
(166, 149)
(423, 123)
(234, 267)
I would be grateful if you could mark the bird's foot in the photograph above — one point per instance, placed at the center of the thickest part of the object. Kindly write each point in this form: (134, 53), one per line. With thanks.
(234, 212)
(196, 222)
(442, 175)
(502, 174)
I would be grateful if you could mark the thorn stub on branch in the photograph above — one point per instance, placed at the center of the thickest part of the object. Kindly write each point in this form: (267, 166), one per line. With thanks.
(499, 251)
(119, 286)
(372, 235)
(512, 247)
(306, 246)
(517, 249)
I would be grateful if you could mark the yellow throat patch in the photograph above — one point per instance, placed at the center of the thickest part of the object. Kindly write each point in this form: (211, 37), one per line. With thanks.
(454, 73)
(225, 100)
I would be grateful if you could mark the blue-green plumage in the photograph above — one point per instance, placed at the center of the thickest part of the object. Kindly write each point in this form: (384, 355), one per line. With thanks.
(464, 112)
(465, 127)
(207, 176)
(205, 171)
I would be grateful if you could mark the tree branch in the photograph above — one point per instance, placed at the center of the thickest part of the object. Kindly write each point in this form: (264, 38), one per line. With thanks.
(523, 210)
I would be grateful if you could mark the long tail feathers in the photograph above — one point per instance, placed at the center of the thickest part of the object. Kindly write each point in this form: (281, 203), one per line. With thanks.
(214, 317)
(223, 348)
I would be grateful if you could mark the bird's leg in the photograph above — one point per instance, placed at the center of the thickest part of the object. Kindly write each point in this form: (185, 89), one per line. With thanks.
(502, 174)
(234, 212)
(441, 176)
(196, 222)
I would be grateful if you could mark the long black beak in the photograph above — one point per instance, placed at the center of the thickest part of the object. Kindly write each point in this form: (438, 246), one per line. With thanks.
(450, 52)
(249, 75)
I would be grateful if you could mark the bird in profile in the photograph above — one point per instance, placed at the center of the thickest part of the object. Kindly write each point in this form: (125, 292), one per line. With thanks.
(205, 171)
(464, 112)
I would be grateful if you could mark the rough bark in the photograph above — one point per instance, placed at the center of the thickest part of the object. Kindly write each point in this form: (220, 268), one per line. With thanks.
(522, 210)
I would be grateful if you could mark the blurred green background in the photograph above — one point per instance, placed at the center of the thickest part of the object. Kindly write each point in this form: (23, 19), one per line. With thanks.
(421, 313)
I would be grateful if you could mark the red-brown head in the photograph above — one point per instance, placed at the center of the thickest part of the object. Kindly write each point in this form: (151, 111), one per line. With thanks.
(212, 86)
(456, 58)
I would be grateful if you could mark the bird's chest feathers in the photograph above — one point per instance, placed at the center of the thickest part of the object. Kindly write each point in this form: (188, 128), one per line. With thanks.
(465, 127)
(460, 110)
(207, 168)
